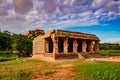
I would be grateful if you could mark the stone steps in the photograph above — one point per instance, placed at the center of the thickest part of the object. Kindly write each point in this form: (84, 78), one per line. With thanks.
(86, 55)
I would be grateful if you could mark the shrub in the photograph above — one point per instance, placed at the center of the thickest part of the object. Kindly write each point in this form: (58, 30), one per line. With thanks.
(23, 75)
(46, 73)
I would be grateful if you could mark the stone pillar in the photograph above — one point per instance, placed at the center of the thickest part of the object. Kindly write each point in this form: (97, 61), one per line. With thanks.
(47, 46)
(55, 45)
(65, 45)
(84, 46)
(96, 46)
(75, 46)
(91, 46)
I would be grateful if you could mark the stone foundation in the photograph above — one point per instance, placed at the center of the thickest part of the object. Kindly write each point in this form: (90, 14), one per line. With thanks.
(66, 56)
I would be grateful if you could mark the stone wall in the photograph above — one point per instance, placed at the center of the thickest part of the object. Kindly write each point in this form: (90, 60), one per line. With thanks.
(66, 56)
(49, 55)
(39, 46)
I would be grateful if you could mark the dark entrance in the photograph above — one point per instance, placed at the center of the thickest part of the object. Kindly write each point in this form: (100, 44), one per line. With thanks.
(87, 46)
(60, 45)
(70, 46)
(79, 45)
(50, 46)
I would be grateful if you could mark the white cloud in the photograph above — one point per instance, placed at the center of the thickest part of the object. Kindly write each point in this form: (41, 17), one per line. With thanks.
(113, 40)
(53, 14)
(99, 3)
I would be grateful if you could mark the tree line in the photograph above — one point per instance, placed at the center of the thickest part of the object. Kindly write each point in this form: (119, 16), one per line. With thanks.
(109, 46)
(16, 43)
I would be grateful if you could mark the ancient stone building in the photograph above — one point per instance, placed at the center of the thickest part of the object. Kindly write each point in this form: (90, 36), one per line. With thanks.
(59, 44)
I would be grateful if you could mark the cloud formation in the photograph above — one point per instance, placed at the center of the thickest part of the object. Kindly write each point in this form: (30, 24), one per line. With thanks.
(23, 6)
(21, 15)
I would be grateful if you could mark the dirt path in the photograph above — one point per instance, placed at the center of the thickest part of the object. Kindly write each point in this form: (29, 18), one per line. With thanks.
(110, 59)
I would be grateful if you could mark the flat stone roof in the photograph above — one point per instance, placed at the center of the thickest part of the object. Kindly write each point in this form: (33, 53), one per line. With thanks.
(69, 34)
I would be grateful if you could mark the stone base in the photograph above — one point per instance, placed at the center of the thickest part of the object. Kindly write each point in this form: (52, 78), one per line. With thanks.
(43, 58)
(66, 56)
(51, 56)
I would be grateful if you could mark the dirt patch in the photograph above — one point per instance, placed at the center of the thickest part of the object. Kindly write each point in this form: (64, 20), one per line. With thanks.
(61, 74)
(66, 65)
(116, 57)
(65, 72)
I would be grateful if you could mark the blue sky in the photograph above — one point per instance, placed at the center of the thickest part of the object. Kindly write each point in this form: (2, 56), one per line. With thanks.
(100, 17)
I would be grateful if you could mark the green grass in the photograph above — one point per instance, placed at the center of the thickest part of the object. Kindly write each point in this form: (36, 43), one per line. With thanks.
(7, 55)
(25, 69)
(46, 73)
(20, 75)
(97, 70)
(110, 52)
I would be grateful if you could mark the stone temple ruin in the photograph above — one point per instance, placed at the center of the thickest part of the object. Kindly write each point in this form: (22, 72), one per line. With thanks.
(60, 44)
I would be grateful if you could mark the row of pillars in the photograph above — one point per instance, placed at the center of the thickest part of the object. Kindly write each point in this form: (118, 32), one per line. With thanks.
(91, 47)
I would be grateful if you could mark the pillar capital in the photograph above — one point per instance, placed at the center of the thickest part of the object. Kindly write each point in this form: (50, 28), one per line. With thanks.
(54, 38)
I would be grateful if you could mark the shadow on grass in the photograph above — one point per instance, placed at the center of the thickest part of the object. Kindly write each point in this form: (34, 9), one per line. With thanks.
(2, 60)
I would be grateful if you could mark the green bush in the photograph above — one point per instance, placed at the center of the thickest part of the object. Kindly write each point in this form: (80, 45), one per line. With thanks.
(15, 42)
(22, 44)
(7, 55)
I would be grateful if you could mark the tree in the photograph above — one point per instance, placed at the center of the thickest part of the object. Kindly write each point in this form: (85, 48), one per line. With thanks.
(5, 41)
(23, 44)
(109, 46)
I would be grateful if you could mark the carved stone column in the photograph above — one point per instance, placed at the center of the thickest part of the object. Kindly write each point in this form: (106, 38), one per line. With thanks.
(84, 46)
(97, 46)
(55, 44)
(91, 46)
(75, 46)
(55, 47)
(65, 45)
(47, 46)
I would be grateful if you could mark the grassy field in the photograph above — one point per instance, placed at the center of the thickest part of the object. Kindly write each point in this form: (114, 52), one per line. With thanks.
(25, 69)
(6, 56)
(110, 52)
(98, 70)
